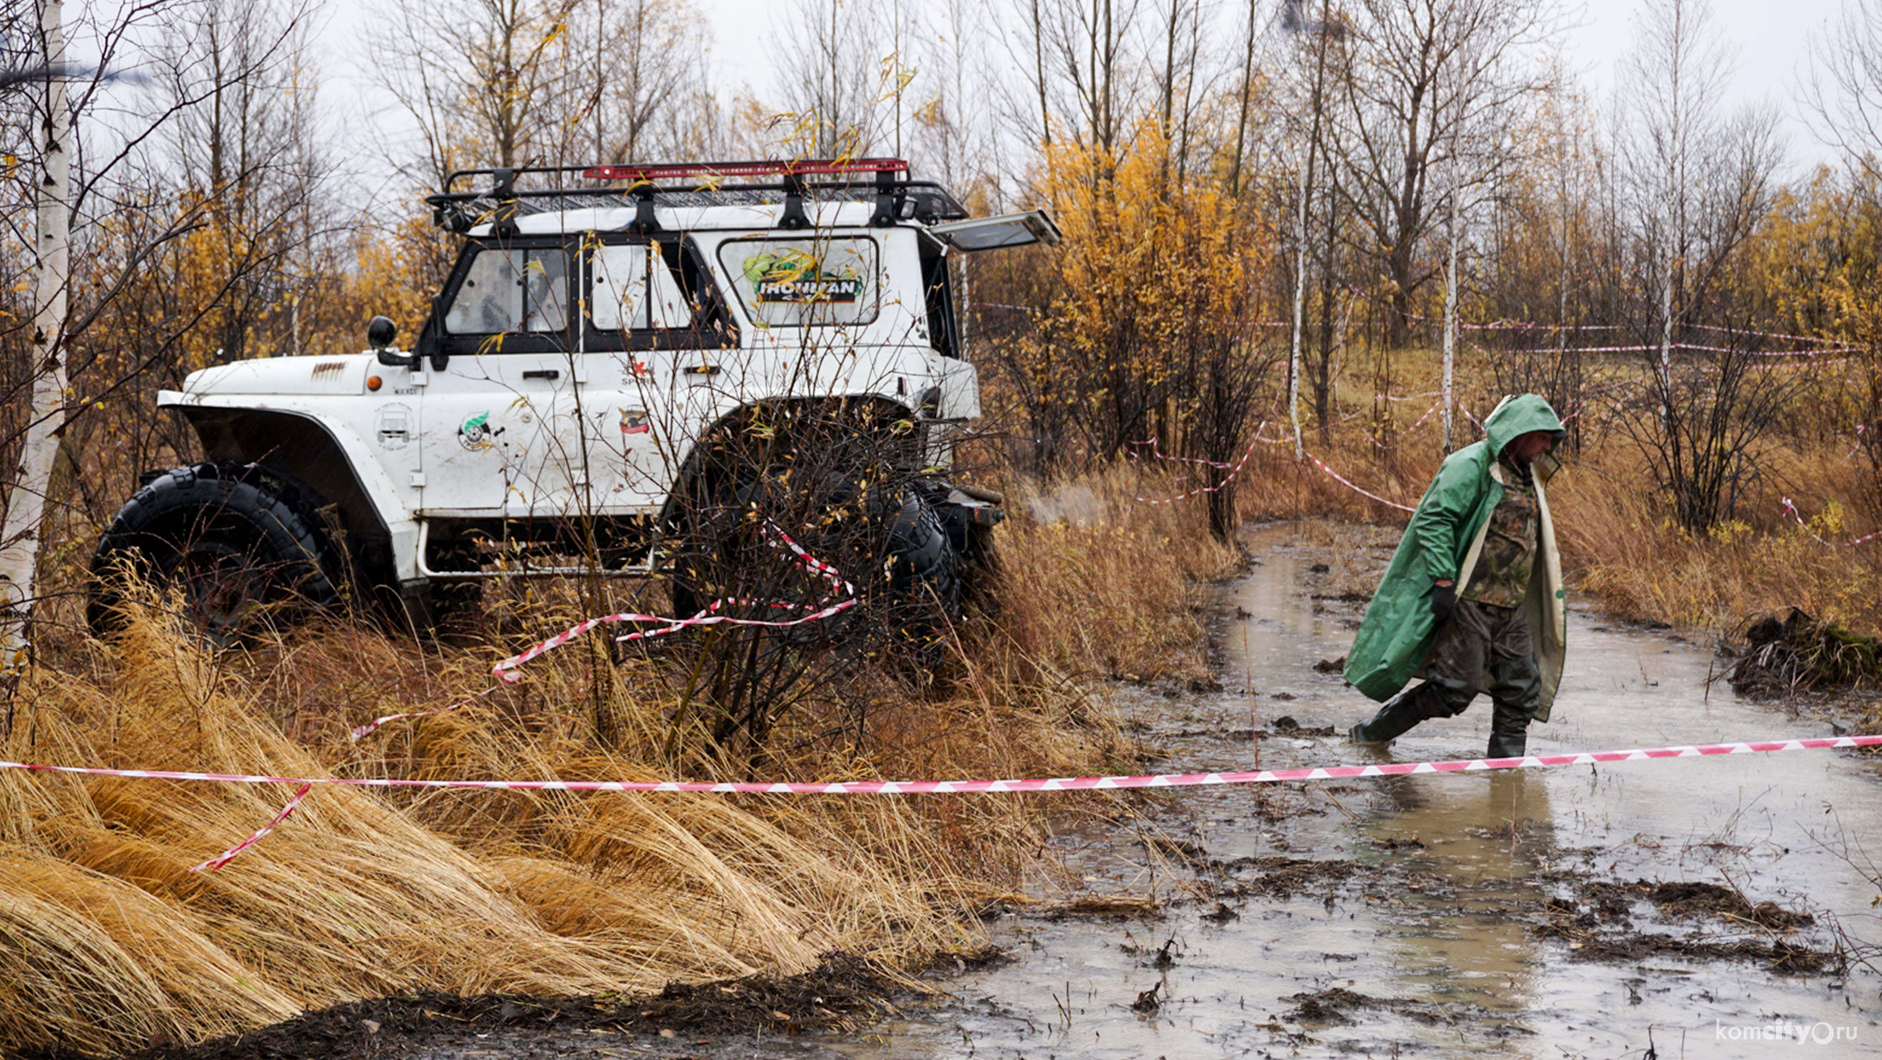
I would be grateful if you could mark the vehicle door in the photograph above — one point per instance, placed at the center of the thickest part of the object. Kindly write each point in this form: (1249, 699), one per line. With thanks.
(653, 326)
(957, 390)
(498, 367)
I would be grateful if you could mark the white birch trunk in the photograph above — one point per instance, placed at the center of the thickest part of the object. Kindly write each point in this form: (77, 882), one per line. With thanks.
(1300, 295)
(1450, 332)
(26, 503)
(1666, 330)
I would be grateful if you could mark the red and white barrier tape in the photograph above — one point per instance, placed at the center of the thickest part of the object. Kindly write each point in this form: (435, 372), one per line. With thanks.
(1156, 450)
(229, 855)
(1232, 469)
(1801, 355)
(970, 787)
(373, 726)
(503, 671)
(1435, 406)
(1236, 469)
(1362, 491)
(1797, 515)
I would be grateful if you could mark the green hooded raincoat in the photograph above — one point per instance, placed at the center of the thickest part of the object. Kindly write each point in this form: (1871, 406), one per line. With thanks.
(1443, 540)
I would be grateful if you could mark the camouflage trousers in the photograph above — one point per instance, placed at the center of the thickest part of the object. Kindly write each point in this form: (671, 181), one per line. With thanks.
(1482, 645)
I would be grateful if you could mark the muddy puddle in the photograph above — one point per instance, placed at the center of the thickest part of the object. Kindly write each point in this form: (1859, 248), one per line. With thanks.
(1689, 906)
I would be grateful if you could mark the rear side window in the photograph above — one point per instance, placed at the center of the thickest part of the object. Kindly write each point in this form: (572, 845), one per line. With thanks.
(804, 281)
(511, 290)
(628, 294)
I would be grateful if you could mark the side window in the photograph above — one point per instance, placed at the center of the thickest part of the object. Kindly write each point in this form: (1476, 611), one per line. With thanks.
(490, 299)
(511, 290)
(546, 290)
(943, 328)
(627, 294)
(795, 282)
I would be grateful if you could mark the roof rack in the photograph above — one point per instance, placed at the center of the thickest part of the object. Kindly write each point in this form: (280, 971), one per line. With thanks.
(883, 182)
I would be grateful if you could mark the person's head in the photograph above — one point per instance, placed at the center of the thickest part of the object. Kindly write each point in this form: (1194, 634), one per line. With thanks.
(1526, 447)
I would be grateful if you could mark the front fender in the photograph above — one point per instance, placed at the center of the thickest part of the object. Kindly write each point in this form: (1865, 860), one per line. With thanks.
(316, 450)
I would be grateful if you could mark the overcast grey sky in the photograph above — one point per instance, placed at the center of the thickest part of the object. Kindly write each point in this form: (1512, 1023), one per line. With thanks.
(1769, 34)
(1770, 38)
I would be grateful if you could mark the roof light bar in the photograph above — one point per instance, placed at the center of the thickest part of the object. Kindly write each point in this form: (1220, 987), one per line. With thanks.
(799, 168)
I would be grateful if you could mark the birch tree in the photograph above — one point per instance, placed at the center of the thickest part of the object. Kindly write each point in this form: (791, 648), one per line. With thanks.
(26, 500)
(1698, 178)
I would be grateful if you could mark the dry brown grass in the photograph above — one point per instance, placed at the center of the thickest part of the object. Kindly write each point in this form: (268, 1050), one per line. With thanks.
(1641, 566)
(1100, 583)
(114, 945)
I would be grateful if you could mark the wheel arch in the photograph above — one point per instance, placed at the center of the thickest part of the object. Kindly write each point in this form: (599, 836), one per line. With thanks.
(307, 449)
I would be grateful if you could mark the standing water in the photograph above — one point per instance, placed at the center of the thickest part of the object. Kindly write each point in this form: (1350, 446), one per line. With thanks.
(1450, 914)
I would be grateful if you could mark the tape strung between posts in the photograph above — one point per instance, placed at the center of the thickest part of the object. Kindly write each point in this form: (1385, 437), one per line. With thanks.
(945, 787)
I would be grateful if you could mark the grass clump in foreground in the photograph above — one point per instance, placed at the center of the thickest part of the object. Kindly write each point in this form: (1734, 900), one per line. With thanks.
(113, 945)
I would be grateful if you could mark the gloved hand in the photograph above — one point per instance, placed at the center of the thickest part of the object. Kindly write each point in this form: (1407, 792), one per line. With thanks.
(1443, 601)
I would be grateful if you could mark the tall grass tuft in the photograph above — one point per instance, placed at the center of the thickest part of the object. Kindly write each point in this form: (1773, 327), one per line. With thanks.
(114, 945)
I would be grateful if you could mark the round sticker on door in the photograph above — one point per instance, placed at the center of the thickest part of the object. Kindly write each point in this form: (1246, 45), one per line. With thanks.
(475, 433)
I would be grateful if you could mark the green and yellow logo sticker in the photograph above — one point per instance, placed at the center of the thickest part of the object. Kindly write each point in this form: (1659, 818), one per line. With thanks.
(798, 276)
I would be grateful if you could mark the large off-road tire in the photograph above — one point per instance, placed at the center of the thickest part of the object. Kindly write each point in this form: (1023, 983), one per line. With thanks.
(968, 516)
(923, 565)
(244, 545)
(915, 591)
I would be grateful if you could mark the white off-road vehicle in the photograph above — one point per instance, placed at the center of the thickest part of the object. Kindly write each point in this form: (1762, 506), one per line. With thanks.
(606, 368)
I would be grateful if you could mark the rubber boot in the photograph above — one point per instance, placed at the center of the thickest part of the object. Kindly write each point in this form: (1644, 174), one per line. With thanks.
(1399, 714)
(1508, 745)
(1509, 730)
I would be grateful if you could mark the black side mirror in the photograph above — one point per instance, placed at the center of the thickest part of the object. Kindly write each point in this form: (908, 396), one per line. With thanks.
(380, 333)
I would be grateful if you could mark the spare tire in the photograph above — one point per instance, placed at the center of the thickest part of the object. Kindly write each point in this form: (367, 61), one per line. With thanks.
(243, 543)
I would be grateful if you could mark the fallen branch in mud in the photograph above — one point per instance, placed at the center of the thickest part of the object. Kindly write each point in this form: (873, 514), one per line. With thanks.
(1801, 654)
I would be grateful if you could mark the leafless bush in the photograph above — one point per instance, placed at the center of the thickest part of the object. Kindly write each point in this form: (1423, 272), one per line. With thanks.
(1547, 362)
(838, 482)
(1702, 418)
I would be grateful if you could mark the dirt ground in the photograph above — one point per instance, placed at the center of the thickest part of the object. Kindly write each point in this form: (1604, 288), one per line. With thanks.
(842, 994)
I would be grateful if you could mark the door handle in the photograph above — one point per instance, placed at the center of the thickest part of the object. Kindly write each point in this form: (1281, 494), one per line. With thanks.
(700, 369)
(550, 374)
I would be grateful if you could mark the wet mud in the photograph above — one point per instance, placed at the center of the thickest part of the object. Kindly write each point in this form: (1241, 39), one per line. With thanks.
(1686, 906)
(1690, 907)
(843, 995)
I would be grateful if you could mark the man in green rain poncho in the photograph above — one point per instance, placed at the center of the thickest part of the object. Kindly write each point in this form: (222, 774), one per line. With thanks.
(1473, 600)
